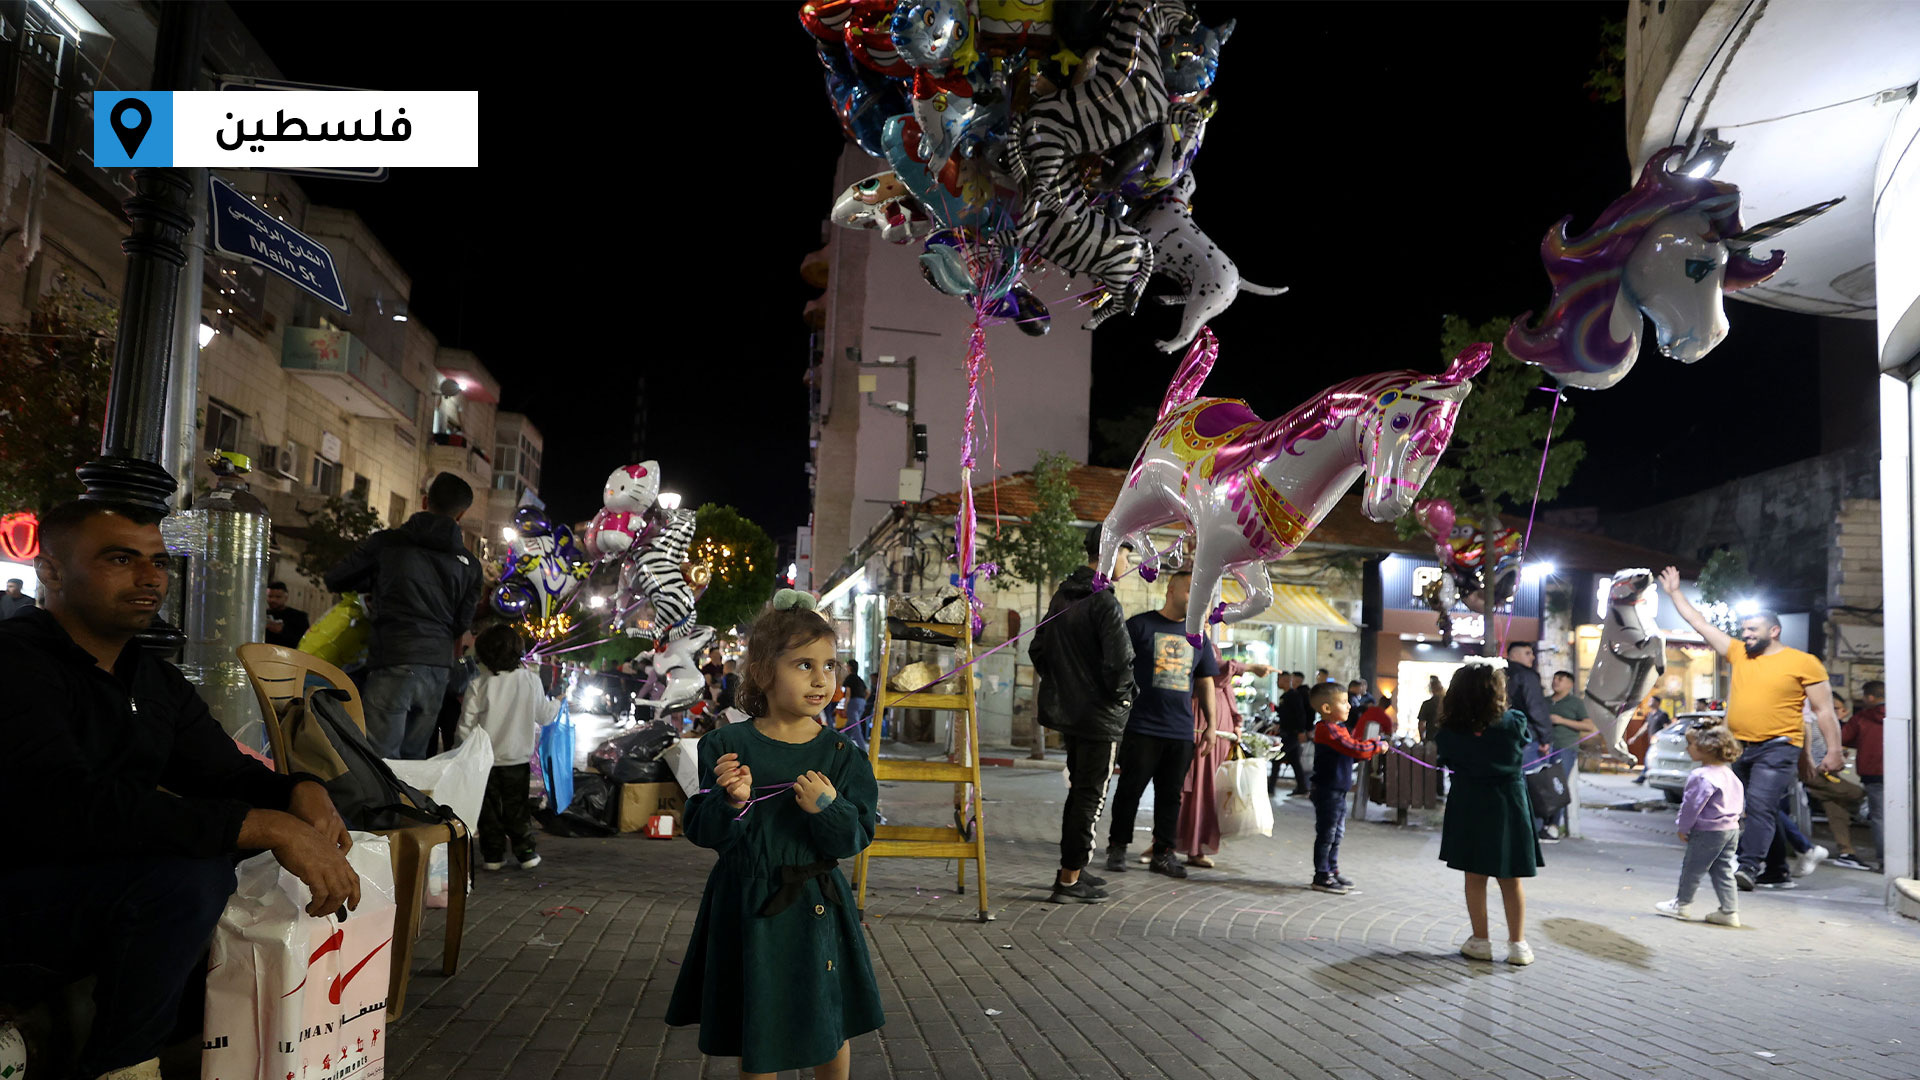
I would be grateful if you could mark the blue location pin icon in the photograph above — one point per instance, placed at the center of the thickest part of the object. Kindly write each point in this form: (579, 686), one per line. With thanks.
(131, 133)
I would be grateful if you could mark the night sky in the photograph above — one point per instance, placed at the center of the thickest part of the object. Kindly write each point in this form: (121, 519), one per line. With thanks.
(650, 185)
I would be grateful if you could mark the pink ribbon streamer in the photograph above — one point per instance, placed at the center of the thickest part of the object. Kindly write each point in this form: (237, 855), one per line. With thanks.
(1525, 766)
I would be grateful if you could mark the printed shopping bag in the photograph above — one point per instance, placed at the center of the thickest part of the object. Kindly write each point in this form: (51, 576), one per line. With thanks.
(1240, 796)
(290, 994)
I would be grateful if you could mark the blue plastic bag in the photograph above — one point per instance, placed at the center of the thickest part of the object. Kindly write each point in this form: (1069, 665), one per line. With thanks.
(556, 760)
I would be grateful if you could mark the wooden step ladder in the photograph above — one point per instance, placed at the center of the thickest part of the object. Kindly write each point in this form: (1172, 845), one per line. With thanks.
(954, 695)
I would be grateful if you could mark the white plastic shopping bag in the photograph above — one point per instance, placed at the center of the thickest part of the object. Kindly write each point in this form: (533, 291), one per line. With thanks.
(683, 757)
(1240, 796)
(456, 780)
(290, 994)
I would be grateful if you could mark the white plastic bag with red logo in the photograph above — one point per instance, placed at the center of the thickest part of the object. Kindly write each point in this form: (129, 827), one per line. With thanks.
(294, 997)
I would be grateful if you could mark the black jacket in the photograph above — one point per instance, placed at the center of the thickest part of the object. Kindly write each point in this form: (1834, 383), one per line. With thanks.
(1296, 712)
(1524, 693)
(422, 586)
(1084, 660)
(83, 755)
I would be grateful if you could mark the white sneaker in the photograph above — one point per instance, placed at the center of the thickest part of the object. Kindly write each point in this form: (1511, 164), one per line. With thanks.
(1673, 909)
(493, 865)
(1803, 863)
(1519, 954)
(1724, 918)
(530, 862)
(1477, 948)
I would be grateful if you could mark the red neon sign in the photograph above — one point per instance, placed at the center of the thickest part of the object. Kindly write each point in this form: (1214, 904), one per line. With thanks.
(20, 537)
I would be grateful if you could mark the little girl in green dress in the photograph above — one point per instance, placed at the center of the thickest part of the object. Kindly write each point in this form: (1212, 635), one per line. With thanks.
(777, 973)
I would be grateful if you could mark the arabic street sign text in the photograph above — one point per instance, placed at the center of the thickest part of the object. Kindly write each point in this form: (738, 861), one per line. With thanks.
(246, 230)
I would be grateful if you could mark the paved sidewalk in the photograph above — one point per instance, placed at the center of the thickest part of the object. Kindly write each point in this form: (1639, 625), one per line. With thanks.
(1239, 971)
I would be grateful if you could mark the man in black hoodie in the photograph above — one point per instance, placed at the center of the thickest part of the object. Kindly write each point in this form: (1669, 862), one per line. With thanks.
(422, 587)
(1084, 662)
(1525, 693)
(106, 873)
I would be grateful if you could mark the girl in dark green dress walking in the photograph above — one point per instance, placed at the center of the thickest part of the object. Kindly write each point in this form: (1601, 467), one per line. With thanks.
(777, 973)
(1488, 831)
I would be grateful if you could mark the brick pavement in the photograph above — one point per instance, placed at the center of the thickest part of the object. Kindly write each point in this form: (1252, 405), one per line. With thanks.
(1239, 971)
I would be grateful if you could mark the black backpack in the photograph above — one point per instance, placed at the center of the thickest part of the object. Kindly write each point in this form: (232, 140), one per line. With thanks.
(324, 742)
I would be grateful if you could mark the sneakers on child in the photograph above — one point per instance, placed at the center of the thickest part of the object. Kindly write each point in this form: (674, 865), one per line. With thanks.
(1327, 883)
(1847, 860)
(1091, 879)
(1477, 948)
(1673, 909)
(1519, 953)
(1167, 863)
(1802, 864)
(1724, 918)
(492, 865)
(530, 861)
(1080, 892)
(1343, 879)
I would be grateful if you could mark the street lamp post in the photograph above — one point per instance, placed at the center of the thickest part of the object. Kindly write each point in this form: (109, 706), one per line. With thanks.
(128, 469)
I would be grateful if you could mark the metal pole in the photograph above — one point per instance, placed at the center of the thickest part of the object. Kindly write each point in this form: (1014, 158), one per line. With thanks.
(183, 378)
(128, 468)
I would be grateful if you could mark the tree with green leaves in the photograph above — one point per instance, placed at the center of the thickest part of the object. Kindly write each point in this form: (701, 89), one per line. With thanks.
(331, 534)
(1046, 546)
(741, 555)
(1493, 462)
(1724, 582)
(53, 396)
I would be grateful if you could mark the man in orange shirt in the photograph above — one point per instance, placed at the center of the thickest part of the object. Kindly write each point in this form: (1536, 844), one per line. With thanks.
(1772, 686)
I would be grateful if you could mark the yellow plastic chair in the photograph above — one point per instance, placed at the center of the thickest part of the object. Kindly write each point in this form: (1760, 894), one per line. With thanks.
(279, 675)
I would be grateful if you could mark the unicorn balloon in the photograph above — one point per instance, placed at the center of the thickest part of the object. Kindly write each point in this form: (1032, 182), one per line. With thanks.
(1251, 489)
(1667, 249)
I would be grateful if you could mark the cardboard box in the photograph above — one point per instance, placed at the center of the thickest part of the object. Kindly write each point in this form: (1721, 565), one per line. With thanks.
(638, 802)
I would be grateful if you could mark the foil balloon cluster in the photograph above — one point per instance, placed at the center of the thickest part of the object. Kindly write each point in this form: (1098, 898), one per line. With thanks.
(542, 569)
(1668, 249)
(1250, 490)
(649, 542)
(1464, 556)
(1021, 134)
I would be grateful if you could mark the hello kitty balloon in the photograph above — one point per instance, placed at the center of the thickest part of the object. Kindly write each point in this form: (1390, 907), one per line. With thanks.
(630, 492)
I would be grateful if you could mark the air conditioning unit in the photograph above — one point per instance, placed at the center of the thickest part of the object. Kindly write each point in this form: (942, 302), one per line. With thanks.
(277, 461)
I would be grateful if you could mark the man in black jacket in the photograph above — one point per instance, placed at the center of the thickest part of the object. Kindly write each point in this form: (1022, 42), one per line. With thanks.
(107, 874)
(1296, 727)
(1083, 659)
(1525, 693)
(422, 587)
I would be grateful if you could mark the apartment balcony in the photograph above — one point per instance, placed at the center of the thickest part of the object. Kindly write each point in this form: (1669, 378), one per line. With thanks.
(450, 453)
(342, 368)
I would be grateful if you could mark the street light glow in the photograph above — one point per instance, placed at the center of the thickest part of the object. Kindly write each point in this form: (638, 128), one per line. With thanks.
(669, 500)
(508, 534)
(1746, 606)
(596, 601)
(207, 333)
(1536, 571)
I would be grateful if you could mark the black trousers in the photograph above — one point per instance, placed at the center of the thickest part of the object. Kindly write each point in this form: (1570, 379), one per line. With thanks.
(1290, 756)
(139, 925)
(1089, 765)
(1163, 762)
(505, 818)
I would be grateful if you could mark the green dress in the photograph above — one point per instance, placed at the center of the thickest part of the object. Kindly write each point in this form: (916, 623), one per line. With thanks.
(1489, 823)
(783, 990)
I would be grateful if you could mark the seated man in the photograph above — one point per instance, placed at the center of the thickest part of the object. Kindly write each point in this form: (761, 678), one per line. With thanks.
(107, 874)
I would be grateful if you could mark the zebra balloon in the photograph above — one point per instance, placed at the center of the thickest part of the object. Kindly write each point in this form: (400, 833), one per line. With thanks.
(1026, 143)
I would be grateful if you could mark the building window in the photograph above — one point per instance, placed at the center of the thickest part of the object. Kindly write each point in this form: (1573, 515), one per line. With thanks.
(503, 481)
(362, 487)
(396, 509)
(325, 477)
(223, 426)
(503, 459)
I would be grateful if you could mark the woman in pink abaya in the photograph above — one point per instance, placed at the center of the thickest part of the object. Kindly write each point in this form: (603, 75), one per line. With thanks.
(1199, 834)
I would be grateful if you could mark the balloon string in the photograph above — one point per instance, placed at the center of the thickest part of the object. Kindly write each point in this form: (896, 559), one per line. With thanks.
(1525, 766)
(1526, 541)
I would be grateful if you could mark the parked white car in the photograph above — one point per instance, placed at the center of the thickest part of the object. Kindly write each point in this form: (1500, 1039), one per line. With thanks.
(1667, 760)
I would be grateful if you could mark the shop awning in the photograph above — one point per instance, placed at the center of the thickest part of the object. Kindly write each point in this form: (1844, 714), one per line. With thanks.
(1294, 605)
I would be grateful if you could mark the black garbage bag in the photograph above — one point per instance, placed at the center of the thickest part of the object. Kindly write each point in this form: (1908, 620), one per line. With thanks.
(595, 810)
(626, 756)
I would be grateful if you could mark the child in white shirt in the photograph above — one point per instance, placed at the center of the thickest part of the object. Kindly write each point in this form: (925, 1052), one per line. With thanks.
(506, 701)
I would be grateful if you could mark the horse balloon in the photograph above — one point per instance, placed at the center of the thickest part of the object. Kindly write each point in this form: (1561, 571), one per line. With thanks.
(1251, 489)
(1668, 248)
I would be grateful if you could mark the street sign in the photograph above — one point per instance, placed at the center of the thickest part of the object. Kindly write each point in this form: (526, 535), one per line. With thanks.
(244, 82)
(246, 230)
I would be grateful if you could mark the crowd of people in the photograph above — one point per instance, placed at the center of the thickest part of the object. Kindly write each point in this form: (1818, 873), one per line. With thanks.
(128, 880)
